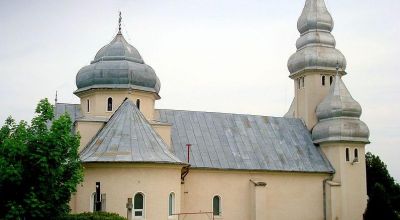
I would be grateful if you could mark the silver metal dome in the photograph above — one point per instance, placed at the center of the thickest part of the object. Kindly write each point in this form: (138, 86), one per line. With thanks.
(339, 117)
(117, 65)
(316, 45)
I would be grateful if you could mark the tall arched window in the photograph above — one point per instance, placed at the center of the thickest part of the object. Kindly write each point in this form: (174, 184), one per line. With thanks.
(138, 103)
(138, 205)
(347, 154)
(323, 80)
(217, 205)
(88, 105)
(171, 204)
(109, 104)
(356, 155)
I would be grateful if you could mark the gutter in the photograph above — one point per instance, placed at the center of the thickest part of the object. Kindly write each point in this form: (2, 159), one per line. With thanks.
(330, 178)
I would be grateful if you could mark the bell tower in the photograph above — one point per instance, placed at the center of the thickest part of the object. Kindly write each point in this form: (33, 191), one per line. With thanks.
(342, 137)
(313, 66)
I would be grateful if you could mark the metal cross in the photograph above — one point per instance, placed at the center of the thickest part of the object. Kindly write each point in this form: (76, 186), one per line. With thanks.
(119, 21)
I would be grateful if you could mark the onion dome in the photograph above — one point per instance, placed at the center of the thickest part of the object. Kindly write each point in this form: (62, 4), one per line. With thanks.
(316, 45)
(117, 65)
(339, 117)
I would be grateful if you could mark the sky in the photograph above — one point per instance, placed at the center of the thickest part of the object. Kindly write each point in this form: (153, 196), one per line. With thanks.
(210, 55)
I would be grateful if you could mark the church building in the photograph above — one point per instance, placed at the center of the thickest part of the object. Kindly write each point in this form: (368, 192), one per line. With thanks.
(153, 164)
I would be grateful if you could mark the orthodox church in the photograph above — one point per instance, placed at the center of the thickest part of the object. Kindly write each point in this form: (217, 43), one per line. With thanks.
(147, 163)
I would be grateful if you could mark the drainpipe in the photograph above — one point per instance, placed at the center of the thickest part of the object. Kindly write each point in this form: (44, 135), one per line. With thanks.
(330, 178)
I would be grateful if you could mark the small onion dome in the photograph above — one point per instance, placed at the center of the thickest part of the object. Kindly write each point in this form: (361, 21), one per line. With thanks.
(117, 65)
(316, 45)
(339, 117)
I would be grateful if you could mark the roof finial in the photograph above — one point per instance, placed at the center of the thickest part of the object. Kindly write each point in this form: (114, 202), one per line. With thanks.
(119, 21)
(56, 99)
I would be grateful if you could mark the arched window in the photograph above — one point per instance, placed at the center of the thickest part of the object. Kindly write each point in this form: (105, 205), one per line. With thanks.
(109, 104)
(217, 205)
(138, 205)
(330, 80)
(356, 155)
(171, 204)
(323, 80)
(88, 105)
(138, 103)
(347, 154)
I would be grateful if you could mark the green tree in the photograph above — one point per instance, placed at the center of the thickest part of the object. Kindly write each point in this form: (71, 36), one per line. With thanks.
(382, 189)
(39, 166)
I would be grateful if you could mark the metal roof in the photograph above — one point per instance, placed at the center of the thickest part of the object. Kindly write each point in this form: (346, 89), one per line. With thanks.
(73, 110)
(229, 141)
(117, 65)
(244, 142)
(339, 117)
(128, 137)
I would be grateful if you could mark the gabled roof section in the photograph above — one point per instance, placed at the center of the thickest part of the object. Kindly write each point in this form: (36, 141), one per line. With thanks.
(128, 137)
(244, 142)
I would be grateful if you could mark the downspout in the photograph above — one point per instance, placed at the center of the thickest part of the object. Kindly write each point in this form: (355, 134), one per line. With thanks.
(330, 178)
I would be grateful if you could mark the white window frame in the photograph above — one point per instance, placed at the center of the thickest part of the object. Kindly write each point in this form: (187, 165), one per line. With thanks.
(142, 210)
(173, 205)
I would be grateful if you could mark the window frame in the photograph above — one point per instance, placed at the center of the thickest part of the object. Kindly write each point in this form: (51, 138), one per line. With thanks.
(88, 105)
(171, 204)
(219, 207)
(143, 210)
(138, 102)
(356, 155)
(347, 154)
(108, 103)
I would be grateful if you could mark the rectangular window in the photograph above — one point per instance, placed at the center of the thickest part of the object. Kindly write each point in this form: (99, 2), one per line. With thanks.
(347, 154)
(88, 105)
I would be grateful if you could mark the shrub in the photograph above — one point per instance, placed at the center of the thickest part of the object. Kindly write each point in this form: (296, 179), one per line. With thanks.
(93, 216)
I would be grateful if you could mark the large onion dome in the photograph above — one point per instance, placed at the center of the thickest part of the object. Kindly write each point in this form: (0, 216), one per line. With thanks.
(316, 45)
(339, 117)
(117, 65)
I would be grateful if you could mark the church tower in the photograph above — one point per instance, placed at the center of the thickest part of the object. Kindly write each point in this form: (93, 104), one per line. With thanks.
(117, 72)
(342, 137)
(313, 66)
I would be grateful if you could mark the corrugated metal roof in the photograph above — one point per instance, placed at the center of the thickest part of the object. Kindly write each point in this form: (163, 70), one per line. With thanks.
(244, 142)
(127, 137)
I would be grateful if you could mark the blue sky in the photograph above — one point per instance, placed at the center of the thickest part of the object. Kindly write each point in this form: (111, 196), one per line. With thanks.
(225, 55)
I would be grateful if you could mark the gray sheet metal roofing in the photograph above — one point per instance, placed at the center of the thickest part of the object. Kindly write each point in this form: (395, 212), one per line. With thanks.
(244, 142)
(234, 141)
(74, 110)
(127, 137)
